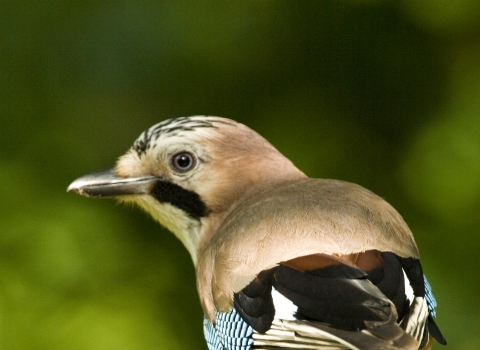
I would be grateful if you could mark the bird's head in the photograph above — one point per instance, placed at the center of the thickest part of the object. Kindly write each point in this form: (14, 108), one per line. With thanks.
(189, 173)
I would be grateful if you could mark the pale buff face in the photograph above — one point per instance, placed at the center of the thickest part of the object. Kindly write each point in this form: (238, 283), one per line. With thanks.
(230, 160)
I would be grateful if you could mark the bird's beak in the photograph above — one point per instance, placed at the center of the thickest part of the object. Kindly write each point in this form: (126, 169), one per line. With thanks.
(107, 184)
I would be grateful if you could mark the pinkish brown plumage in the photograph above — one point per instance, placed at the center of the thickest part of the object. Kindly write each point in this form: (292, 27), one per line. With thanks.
(258, 229)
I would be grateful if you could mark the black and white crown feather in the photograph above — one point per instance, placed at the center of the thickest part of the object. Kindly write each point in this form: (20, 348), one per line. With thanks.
(173, 127)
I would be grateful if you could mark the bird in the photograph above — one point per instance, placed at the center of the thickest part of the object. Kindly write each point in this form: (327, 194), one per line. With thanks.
(282, 260)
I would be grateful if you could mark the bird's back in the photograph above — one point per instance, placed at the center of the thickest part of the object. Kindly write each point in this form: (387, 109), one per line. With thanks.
(310, 249)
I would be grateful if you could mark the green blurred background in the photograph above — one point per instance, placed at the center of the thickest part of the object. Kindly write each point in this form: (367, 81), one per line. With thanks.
(382, 93)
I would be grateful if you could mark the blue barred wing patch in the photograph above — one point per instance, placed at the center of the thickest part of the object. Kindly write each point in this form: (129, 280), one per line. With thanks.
(231, 332)
(210, 334)
(431, 301)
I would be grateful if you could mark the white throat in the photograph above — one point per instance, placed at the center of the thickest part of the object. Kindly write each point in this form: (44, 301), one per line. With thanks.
(172, 218)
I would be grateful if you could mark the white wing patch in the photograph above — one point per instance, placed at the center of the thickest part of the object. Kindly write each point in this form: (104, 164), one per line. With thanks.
(415, 320)
(408, 288)
(284, 308)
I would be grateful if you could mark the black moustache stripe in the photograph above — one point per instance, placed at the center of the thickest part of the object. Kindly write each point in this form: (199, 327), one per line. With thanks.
(188, 201)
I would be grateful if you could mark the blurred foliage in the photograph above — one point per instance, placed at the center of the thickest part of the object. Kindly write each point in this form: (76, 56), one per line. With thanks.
(382, 93)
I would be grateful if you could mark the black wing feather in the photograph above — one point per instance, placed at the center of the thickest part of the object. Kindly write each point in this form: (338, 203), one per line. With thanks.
(346, 301)
(390, 280)
(255, 304)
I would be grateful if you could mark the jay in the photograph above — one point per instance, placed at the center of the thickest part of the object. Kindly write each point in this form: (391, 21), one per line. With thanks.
(282, 261)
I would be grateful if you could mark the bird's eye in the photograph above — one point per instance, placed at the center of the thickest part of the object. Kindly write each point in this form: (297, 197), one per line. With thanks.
(183, 162)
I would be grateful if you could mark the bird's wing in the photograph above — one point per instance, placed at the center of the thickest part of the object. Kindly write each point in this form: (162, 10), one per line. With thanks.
(325, 302)
(333, 299)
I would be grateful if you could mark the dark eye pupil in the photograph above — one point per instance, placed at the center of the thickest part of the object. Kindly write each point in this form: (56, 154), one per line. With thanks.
(183, 161)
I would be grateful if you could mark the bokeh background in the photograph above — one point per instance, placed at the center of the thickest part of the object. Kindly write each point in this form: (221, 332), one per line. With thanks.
(382, 93)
